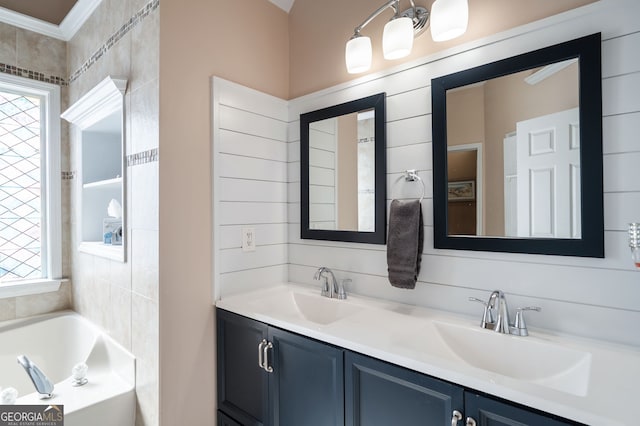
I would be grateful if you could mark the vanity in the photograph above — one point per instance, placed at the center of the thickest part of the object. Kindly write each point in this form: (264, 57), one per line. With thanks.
(287, 355)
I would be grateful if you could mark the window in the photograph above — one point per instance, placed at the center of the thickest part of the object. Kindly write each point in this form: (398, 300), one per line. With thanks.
(30, 218)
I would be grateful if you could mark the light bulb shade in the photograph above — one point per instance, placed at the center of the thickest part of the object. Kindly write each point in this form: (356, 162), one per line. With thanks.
(358, 54)
(449, 19)
(397, 38)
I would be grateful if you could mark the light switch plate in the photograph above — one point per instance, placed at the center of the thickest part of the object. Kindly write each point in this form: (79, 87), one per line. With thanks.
(248, 239)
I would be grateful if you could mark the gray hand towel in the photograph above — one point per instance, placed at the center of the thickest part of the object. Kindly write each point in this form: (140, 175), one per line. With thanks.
(404, 243)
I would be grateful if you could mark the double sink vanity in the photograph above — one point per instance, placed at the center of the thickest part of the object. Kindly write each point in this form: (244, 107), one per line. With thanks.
(369, 361)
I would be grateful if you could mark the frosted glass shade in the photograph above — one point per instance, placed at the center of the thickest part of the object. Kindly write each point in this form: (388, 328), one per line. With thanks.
(449, 19)
(358, 54)
(397, 38)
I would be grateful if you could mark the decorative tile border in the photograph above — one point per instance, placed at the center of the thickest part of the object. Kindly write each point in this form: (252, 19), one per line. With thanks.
(111, 41)
(68, 175)
(33, 75)
(115, 37)
(143, 157)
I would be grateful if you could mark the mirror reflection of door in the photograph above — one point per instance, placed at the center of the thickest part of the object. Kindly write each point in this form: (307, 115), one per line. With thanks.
(542, 175)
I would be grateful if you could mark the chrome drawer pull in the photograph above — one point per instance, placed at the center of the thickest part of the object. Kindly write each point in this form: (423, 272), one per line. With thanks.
(456, 417)
(266, 365)
(260, 352)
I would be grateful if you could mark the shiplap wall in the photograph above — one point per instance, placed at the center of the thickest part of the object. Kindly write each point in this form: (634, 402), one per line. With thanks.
(323, 139)
(249, 187)
(591, 297)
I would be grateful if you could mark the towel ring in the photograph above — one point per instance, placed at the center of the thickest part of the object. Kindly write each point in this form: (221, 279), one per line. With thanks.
(412, 176)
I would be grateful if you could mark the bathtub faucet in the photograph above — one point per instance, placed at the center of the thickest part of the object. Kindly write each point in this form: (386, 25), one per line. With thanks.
(40, 380)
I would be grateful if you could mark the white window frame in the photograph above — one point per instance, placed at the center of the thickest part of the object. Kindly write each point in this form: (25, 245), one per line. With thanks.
(51, 177)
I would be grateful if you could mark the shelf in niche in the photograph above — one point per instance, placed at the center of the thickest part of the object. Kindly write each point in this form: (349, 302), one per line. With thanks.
(107, 183)
(98, 248)
(98, 121)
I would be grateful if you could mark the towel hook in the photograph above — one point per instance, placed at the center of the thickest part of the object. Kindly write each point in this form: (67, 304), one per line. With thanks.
(411, 176)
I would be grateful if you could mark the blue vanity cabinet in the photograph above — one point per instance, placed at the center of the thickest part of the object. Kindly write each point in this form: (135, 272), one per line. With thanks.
(379, 393)
(224, 420)
(490, 412)
(303, 387)
(382, 394)
(306, 386)
(242, 384)
(316, 384)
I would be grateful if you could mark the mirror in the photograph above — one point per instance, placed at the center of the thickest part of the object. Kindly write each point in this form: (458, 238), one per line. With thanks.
(517, 153)
(343, 172)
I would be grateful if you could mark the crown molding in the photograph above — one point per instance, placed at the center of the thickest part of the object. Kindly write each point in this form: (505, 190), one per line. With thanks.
(98, 103)
(67, 28)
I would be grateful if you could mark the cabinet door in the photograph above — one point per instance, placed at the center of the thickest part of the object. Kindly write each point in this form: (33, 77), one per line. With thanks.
(306, 385)
(242, 384)
(378, 393)
(489, 412)
(224, 420)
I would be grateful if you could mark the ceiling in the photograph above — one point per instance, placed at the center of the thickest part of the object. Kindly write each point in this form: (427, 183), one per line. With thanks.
(62, 18)
(283, 4)
(51, 11)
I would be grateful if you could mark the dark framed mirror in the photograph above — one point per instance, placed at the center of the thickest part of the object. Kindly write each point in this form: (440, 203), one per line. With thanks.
(343, 172)
(517, 153)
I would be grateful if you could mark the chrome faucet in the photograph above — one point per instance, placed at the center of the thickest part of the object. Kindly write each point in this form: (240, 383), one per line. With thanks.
(497, 308)
(332, 290)
(501, 323)
(41, 382)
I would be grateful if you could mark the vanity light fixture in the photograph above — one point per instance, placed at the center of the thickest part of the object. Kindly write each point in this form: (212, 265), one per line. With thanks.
(449, 20)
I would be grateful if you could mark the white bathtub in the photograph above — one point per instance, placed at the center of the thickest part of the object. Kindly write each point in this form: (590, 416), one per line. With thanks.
(55, 343)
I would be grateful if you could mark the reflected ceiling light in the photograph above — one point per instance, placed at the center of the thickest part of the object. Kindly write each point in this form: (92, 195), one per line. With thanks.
(449, 19)
(399, 32)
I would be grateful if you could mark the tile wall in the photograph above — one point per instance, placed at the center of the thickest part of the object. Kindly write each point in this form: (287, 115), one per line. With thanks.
(121, 39)
(31, 55)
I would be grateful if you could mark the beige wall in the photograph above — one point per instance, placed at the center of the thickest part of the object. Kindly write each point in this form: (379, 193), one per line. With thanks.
(245, 42)
(122, 298)
(320, 29)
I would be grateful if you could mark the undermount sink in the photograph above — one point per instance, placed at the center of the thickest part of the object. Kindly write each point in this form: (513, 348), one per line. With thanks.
(524, 358)
(311, 307)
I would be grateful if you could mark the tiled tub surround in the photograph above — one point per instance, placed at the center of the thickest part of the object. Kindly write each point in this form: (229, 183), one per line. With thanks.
(122, 298)
(409, 336)
(27, 42)
(115, 38)
(31, 55)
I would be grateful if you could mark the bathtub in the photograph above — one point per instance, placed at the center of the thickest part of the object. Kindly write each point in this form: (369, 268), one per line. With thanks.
(55, 343)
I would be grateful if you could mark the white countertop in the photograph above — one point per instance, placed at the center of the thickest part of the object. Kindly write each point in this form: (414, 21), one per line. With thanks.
(408, 336)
